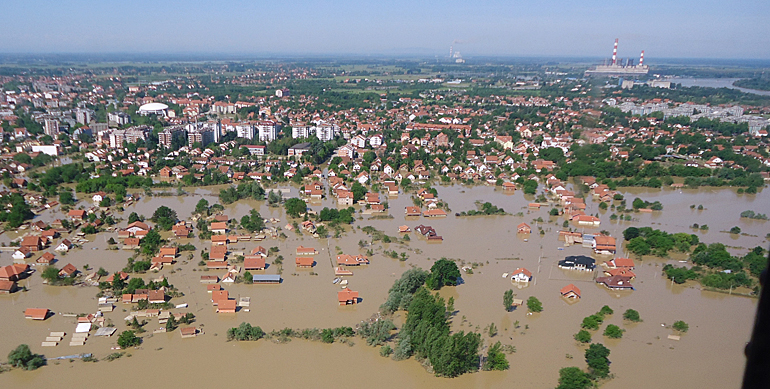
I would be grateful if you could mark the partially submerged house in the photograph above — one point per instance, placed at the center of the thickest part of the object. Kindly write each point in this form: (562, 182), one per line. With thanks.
(617, 282)
(347, 297)
(578, 262)
(351, 260)
(36, 313)
(521, 275)
(523, 228)
(570, 291)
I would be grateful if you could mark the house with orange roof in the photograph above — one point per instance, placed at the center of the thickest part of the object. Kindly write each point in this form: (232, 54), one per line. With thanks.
(260, 251)
(168, 252)
(523, 228)
(227, 306)
(36, 313)
(305, 262)
(218, 240)
(7, 287)
(77, 214)
(350, 260)
(216, 265)
(46, 259)
(347, 297)
(218, 228)
(620, 263)
(254, 262)
(219, 295)
(413, 211)
(404, 229)
(434, 213)
(521, 275)
(306, 251)
(570, 291)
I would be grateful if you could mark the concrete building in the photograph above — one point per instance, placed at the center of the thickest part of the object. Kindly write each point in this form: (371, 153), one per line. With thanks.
(129, 135)
(268, 131)
(244, 130)
(118, 119)
(51, 127)
(83, 116)
(203, 136)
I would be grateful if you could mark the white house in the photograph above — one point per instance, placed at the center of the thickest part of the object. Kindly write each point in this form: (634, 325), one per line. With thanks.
(65, 245)
(521, 275)
(21, 253)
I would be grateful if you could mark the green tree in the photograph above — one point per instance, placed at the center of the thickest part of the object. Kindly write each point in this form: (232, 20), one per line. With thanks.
(359, 191)
(583, 336)
(680, 326)
(128, 339)
(508, 300)
(22, 357)
(50, 274)
(171, 323)
(598, 363)
(534, 305)
(245, 332)
(614, 332)
(295, 207)
(66, 197)
(151, 242)
(573, 378)
(631, 315)
(496, 359)
(133, 217)
(443, 272)
(164, 217)
(202, 207)
(590, 323)
(735, 230)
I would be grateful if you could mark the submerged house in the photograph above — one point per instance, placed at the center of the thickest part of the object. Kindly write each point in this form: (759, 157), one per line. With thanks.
(570, 291)
(578, 262)
(347, 297)
(616, 282)
(521, 275)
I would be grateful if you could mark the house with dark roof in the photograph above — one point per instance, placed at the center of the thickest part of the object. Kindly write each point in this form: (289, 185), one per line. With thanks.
(578, 262)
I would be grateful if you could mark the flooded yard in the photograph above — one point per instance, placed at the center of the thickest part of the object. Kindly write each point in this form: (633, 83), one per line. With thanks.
(709, 355)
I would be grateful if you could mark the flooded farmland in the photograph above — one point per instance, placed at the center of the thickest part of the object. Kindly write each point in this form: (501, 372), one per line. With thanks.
(709, 355)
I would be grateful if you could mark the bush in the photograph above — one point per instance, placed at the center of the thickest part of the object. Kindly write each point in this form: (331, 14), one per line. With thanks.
(598, 363)
(496, 360)
(680, 326)
(614, 332)
(443, 272)
(583, 336)
(632, 315)
(23, 357)
(735, 230)
(385, 351)
(573, 378)
(590, 323)
(534, 305)
(245, 332)
(128, 339)
(606, 310)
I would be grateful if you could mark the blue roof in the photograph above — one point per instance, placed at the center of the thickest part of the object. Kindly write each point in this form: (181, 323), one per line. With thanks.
(266, 277)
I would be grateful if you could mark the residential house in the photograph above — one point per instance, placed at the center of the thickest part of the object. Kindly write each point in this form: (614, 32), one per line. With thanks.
(350, 260)
(68, 270)
(306, 251)
(36, 313)
(521, 275)
(523, 228)
(255, 262)
(578, 262)
(570, 291)
(616, 282)
(347, 297)
(305, 262)
(64, 246)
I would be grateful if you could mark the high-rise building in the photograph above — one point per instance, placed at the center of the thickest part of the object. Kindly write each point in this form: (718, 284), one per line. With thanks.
(83, 116)
(268, 131)
(51, 127)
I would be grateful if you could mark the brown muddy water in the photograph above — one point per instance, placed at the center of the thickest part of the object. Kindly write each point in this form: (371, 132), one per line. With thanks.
(709, 355)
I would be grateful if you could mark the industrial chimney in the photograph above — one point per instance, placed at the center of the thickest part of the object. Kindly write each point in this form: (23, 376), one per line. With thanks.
(615, 52)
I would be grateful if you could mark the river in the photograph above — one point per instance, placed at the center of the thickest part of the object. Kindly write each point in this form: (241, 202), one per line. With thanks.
(709, 355)
(717, 83)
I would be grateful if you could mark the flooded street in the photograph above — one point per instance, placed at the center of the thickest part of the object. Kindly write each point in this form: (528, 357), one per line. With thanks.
(709, 355)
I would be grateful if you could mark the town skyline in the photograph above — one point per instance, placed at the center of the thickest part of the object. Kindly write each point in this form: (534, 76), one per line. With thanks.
(685, 29)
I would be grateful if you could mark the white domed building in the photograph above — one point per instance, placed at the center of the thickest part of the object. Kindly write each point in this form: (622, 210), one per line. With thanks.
(153, 109)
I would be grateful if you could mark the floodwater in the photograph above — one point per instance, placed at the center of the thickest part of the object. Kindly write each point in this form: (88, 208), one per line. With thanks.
(709, 355)
(718, 83)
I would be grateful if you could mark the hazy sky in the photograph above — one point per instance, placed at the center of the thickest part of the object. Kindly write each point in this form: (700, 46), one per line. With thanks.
(664, 29)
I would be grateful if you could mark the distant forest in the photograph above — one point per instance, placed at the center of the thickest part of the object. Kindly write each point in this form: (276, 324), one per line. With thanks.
(760, 83)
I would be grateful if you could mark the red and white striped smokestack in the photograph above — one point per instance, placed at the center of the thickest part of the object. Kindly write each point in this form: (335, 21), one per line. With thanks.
(615, 51)
(641, 59)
